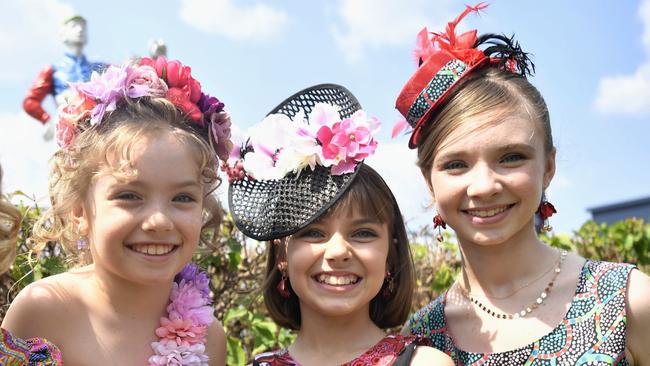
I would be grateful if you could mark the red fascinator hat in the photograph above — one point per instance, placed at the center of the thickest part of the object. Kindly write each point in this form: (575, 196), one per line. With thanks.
(446, 58)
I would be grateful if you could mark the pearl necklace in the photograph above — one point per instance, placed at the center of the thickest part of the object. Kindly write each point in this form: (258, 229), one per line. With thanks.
(528, 309)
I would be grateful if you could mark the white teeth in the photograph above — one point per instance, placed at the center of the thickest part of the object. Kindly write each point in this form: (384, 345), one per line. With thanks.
(153, 249)
(487, 213)
(337, 280)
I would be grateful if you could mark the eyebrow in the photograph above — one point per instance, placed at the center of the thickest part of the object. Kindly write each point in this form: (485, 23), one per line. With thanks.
(178, 185)
(366, 220)
(501, 149)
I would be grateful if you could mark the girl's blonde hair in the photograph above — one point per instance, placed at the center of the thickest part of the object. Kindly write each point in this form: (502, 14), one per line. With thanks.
(9, 226)
(109, 146)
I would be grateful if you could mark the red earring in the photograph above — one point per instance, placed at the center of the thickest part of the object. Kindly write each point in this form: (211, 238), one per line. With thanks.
(546, 210)
(283, 288)
(389, 288)
(439, 223)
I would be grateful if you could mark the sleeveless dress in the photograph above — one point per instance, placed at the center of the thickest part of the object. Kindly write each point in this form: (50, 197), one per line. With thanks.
(384, 353)
(32, 352)
(591, 333)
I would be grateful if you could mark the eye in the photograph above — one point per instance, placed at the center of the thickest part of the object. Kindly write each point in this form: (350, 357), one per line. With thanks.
(511, 158)
(127, 196)
(365, 234)
(184, 197)
(311, 234)
(454, 165)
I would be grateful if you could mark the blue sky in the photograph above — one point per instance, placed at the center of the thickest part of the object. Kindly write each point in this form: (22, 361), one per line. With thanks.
(593, 67)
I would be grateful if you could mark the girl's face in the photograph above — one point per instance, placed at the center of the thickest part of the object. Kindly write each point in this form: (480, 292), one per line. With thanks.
(487, 183)
(146, 229)
(337, 265)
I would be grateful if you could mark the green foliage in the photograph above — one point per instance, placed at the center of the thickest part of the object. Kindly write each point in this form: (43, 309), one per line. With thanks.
(236, 266)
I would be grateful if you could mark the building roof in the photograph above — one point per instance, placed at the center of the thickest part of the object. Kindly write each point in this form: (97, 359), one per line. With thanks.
(620, 205)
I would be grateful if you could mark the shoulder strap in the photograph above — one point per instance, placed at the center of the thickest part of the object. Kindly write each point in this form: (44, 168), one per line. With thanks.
(404, 358)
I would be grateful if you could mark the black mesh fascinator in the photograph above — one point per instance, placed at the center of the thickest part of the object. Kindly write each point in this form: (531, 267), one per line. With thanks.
(275, 208)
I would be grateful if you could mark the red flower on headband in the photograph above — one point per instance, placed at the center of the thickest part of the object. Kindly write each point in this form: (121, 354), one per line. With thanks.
(184, 91)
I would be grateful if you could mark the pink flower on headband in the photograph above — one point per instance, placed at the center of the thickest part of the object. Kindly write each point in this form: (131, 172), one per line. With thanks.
(348, 142)
(105, 89)
(143, 81)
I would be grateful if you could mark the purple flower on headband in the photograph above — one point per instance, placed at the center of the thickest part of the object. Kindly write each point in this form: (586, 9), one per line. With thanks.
(106, 89)
(208, 105)
(220, 130)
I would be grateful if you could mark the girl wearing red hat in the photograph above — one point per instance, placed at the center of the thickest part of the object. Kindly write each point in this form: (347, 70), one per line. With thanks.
(485, 149)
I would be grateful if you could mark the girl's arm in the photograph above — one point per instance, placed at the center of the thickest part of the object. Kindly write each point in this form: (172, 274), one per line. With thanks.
(428, 356)
(217, 344)
(638, 316)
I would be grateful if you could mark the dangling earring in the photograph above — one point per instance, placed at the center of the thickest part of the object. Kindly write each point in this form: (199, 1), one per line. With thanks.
(439, 223)
(545, 210)
(283, 288)
(82, 243)
(389, 288)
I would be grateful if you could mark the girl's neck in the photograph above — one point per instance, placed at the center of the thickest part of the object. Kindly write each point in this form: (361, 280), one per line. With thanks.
(128, 298)
(497, 270)
(330, 338)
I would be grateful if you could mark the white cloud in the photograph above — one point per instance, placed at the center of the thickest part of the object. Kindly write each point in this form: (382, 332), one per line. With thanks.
(224, 17)
(375, 23)
(24, 155)
(629, 94)
(29, 32)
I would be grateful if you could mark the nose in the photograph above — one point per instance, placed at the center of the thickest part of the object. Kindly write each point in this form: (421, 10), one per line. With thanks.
(157, 220)
(484, 182)
(337, 249)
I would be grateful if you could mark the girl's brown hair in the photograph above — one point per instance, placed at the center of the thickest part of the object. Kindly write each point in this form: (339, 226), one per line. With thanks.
(370, 195)
(490, 91)
(108, 147)
(9, 226)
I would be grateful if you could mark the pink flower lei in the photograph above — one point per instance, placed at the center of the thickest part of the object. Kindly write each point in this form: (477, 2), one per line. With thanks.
(183, 331)
(280, 145)
(157, 78)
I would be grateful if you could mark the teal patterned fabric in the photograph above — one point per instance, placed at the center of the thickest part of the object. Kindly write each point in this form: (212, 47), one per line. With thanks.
(591, 333)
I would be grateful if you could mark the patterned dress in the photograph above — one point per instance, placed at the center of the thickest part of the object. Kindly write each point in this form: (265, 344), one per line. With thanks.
(383, 353)
(591, 333)
(32, 352)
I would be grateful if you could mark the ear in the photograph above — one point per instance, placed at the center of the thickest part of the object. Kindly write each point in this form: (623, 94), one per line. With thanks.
(80, 219)
(549, 168)
(281, 255)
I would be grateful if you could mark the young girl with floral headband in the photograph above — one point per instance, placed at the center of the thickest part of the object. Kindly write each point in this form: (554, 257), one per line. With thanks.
(13, 350)
(339, 268)
(131, 192)
(485, 149)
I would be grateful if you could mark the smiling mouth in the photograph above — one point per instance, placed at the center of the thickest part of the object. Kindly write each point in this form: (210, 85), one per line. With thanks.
(153, 249)
(488, 213)
(337, 280)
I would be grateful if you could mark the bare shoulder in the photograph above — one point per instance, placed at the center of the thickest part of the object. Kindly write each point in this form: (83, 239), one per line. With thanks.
(638, 315)
(40, 306)
(216, 347)
(428, 356)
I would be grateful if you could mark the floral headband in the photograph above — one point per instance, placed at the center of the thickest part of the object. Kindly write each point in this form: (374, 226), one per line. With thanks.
(446, 58)
(280, 145)
(158, 78)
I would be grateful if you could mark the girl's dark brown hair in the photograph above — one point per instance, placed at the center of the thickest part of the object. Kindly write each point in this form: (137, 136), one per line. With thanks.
(370, 195)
